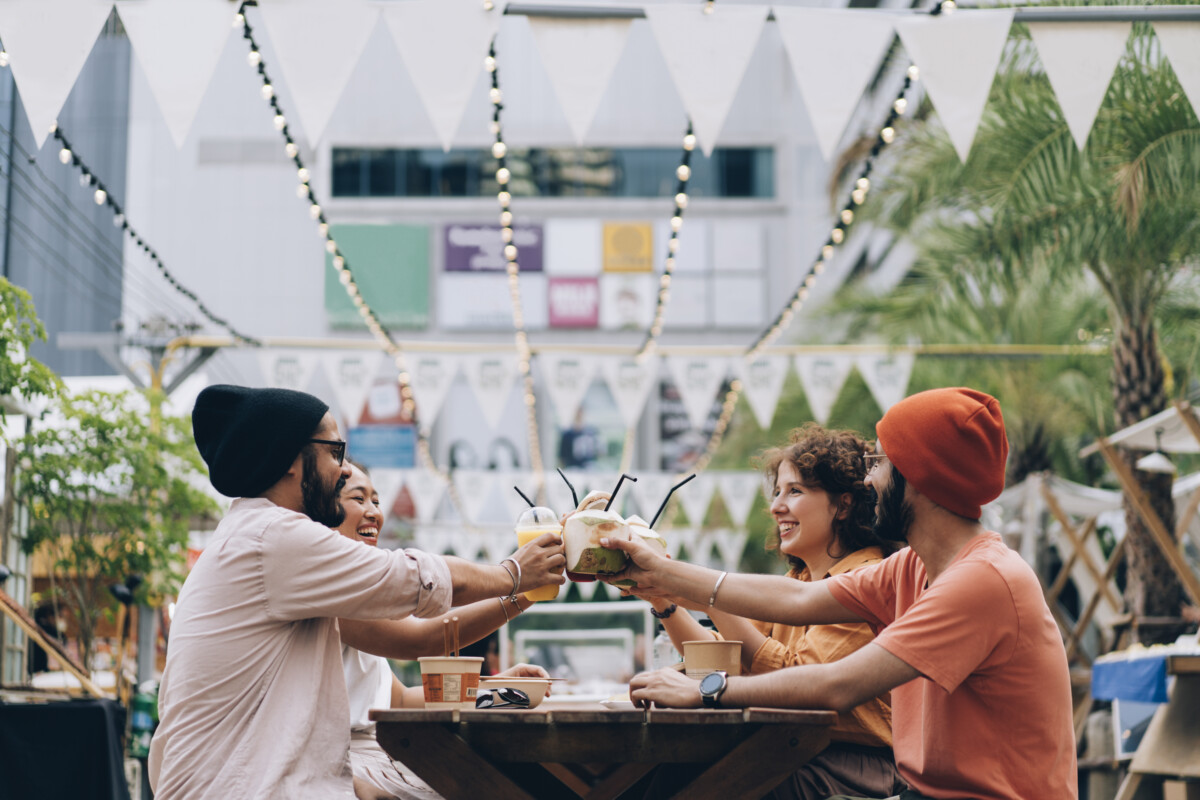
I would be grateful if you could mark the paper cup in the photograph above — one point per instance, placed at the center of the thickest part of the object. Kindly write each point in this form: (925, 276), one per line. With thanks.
(536, 688)
(710, 655)
(450, 682)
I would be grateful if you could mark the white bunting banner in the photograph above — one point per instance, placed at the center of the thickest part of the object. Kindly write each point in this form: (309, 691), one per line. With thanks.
(317, 44)
(650, 490)
(513, 504)
(474, 488)
(1079, 59)
(426, 488)
(491, 376)
(696, 496)
(739, 489)
(443, 44)
(1181, 42)
(558, 494)
(388, 483)
(566, 378)
(48, 42)
(957, 55)
(886, 376)
(289, 369)
(580, 56)
(762, 382)
(499, 544)
(697, 380)
(822, 377)
(177, 42)
(589, 589)
(707, 55)
(834, 54)
(730, 544)
(630, 382)
(431, 375)
(351, 373)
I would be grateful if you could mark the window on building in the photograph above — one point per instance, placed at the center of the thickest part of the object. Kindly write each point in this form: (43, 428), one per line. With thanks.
(741, 172)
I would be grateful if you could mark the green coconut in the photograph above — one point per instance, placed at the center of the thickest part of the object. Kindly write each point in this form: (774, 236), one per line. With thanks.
(581, 538)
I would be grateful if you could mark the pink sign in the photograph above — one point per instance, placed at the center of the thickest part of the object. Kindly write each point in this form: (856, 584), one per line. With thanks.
(574, 302)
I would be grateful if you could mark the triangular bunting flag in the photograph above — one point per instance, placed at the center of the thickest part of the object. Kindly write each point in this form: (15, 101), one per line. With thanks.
(821, 377)
(432, 375)
(762, 381)
(696, 496)
(178, 43)
(388, 483)
(474, 488)
(317, 44)
(426, 489)
(1079, 59)
(957, 55)
(650, 490)
(443, 44)
(834, 54)
(739, 489)
(48, 42)
(707, 54)
(580, 56)
(730, 545)
(351, 373)
(290, 369)
(1181, 42)
(491, 376)
(566, 378)
(886, 376)
(697, 380)
(499, 544)
(588, 590)
(630, 382)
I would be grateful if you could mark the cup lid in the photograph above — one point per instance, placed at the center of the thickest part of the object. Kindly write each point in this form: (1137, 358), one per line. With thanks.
(538, 515)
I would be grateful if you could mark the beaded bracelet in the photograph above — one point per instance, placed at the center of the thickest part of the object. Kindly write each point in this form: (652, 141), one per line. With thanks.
(665, 613)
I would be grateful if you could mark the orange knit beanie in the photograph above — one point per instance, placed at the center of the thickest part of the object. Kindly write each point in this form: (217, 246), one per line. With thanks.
(950, 445)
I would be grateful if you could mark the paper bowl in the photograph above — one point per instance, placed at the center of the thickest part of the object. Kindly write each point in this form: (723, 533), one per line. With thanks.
(710, 655)
(450, 682)
(536, 688)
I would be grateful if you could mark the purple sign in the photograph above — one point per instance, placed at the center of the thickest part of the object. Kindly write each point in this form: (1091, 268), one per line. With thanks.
(475, 247)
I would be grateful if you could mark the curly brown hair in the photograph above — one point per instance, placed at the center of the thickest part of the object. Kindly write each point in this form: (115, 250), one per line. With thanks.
(831, 460)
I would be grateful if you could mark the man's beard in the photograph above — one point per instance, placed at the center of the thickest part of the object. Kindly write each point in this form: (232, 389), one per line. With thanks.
(894, 515)
(321, 502)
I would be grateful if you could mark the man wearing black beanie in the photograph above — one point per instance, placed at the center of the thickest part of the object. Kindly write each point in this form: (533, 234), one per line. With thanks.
(253, 701)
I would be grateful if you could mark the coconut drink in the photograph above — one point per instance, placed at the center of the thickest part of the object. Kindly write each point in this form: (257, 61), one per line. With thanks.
(640, 528)
(582, 533)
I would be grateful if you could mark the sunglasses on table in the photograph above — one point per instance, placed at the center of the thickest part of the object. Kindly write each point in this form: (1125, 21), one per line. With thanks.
(338, 447)
(502, 698)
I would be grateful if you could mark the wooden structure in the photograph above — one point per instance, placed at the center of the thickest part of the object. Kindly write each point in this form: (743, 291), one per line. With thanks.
(587, 751)
(17, 613)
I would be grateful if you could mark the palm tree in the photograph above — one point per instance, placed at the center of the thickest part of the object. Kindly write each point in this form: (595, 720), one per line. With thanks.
(1029, 206)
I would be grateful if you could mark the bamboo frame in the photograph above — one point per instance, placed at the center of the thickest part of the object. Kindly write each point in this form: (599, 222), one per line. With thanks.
(14, 611)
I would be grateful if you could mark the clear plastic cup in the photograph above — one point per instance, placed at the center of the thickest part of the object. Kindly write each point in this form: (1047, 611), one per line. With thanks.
(532, 523)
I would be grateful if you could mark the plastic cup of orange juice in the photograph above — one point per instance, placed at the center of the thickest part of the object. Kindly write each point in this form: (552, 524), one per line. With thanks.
(532, 524)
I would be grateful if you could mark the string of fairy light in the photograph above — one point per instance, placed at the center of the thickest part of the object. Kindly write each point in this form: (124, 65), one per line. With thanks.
(88, 179)
(341, 265)
(512, 266)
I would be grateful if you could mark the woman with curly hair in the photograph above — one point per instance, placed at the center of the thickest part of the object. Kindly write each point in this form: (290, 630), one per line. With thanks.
(824, 515)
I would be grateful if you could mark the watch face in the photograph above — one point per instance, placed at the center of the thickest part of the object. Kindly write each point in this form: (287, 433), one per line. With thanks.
(712, 683)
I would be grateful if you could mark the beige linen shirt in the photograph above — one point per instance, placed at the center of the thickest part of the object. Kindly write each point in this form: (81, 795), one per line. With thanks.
(253, 702)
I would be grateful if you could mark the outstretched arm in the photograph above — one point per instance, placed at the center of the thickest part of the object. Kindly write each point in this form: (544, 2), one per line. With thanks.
(410, 638)
(541, 562)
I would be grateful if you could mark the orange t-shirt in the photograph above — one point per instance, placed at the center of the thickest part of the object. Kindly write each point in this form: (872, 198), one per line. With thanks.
(990, 718)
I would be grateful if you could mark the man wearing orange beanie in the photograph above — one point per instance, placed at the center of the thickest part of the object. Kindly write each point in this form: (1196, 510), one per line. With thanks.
(981, 695)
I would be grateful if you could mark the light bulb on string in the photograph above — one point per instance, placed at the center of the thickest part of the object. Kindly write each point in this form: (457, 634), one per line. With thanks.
(85, 180)
(267, 91)
(495, 96)
(314, 211)
(302, 174)
(837, 235)
(858, 196)
(100, 197)
(683, 172)
(323, 230)
(913, 73)
(302, 191)
(64, 156)
(239, 19)
(254, 58)
(888, 134)
(499, 149)
(3, 58)
(681, 200)
(280, 122)
(862, 184)
(502, 175)
(901, 105)
(291, 149)
(847, 216)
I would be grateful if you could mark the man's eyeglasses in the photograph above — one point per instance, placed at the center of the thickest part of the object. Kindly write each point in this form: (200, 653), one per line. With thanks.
(873, 460)
(503, 697)
(339, 448)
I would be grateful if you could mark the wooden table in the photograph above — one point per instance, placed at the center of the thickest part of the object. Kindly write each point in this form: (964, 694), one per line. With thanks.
(588, 751)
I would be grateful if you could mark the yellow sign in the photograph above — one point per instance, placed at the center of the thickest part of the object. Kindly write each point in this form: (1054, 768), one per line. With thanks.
(628, 247)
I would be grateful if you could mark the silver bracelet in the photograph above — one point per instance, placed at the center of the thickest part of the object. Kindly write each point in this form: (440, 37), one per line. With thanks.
(712, 598)
(516, 579)
(505, 610)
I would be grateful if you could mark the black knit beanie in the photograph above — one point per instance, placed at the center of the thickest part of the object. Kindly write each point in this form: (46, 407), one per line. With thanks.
(249, 437)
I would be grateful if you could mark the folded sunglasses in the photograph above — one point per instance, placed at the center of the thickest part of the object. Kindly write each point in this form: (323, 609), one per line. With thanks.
(502, 698)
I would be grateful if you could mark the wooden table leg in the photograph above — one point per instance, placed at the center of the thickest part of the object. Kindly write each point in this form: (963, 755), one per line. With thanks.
(618, 781)
(758, 764)
(448, 764)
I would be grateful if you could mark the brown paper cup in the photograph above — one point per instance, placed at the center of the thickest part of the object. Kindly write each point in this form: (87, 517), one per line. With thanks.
(710, 655)
(450, 682)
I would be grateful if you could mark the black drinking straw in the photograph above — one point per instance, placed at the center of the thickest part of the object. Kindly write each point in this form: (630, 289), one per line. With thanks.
(668, 497)
(523, 497)
(613, 496)
(574, 496)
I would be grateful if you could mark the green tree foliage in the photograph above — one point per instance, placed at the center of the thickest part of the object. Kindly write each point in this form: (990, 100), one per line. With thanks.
(21, 378)
(110, 494)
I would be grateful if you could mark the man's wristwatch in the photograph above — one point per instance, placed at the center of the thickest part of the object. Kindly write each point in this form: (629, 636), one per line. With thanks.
(712, 686)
